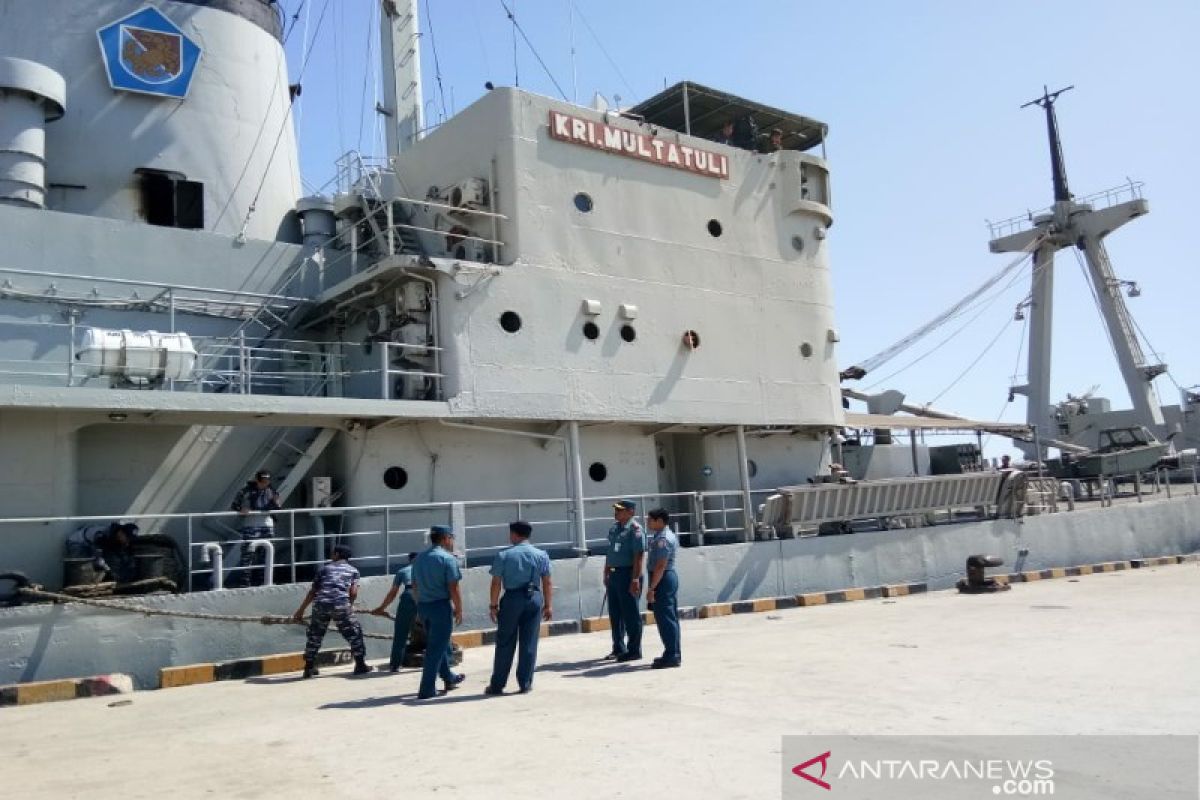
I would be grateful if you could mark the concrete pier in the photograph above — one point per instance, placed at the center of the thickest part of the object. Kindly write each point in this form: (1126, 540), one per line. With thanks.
(1105, 654)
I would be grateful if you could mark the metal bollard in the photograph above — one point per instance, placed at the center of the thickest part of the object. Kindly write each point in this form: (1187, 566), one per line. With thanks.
(977, 581)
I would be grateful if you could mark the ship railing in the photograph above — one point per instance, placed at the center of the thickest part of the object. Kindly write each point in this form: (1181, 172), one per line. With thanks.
(230, 365)
(391, 230)
(359, 174)
(1106, 198)
(382, 535)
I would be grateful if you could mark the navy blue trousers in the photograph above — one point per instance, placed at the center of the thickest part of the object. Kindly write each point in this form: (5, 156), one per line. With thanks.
(624, 613)
(438, 619)
(666, 615)
(519, 624)
(406, 612)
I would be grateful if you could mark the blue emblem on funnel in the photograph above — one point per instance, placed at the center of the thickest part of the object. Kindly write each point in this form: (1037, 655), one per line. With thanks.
(145, 52)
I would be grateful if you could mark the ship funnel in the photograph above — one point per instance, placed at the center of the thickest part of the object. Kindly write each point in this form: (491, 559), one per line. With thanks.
(30, 96)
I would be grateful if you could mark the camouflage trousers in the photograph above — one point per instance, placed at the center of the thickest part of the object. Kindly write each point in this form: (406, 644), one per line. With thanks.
(347, 625)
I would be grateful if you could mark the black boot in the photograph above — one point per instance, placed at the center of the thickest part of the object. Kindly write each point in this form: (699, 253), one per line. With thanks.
(310, 669)
(361, 667)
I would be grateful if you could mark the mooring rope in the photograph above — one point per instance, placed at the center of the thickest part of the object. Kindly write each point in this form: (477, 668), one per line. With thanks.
(265, 619)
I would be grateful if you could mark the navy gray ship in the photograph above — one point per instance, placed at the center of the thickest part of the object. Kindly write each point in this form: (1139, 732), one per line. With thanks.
(526, 311)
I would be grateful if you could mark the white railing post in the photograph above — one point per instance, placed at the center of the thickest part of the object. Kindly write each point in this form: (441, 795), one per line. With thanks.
(458, 524)
(579, 518)
(698, 514)
(744, 475)
(385, 394)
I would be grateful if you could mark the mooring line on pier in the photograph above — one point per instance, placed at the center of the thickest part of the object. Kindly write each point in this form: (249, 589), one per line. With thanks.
(265, 619)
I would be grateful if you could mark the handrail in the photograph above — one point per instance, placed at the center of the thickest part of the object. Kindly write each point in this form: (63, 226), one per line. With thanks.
(477, 518)
(164, 286)
(1105, 198)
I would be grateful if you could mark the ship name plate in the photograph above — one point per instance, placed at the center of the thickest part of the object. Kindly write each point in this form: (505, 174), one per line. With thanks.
(634, 144)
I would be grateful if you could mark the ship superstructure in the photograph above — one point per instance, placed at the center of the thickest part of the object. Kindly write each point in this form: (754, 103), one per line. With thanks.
(533, 300)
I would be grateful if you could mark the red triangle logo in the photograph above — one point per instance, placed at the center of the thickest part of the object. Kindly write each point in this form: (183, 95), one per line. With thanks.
(799, 772)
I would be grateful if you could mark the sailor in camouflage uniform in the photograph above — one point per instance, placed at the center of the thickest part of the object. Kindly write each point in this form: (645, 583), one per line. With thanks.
(332, 597)
(254, 504)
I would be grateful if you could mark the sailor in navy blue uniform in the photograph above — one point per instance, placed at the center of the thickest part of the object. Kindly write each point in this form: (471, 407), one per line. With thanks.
(623, 580)
(406, 612)
(663, 590)
(332, 597)
(523, 572)
(439, 604)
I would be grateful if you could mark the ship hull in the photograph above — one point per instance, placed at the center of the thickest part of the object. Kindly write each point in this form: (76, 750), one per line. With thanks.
(45, 642)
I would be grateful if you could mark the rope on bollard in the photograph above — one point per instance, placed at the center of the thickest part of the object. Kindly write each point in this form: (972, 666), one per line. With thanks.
(266, 619)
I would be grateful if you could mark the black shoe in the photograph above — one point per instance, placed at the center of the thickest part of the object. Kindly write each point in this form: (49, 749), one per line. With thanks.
(310, 671)
(621, 659)
(613, 656)
(662, 663)
(450, 686)
(426, 696)
(492, 690)
(393, 670)
(525, 690)
(362, 668)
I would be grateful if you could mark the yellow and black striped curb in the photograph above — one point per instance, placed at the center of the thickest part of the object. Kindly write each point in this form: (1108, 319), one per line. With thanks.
(24, 694)
(467, 639)
(1090, 569)
(761, 604)
(192, 674)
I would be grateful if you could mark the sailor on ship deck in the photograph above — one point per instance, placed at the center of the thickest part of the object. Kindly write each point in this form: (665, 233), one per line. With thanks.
(254, 504)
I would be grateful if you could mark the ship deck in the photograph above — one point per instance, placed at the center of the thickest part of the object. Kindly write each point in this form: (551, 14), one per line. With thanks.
(1106, 653)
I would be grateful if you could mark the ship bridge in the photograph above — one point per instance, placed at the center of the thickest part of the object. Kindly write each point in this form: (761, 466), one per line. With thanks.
(698, 110)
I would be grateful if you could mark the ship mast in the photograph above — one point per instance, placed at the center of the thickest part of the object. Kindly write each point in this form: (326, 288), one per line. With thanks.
(1058, 167)
(400, 50)
(1076, 224)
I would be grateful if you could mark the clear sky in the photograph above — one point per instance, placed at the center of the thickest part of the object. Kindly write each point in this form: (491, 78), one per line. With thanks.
(926, 142)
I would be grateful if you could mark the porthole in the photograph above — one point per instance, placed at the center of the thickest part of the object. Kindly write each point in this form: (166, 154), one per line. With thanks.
(628, 333)
(798, 243)
(395, 478)
(691, 340)
(714, 228)
(583, 202)
(806, 350)
(597, 471)
(510, 321)
(591, 330)
(751, 467)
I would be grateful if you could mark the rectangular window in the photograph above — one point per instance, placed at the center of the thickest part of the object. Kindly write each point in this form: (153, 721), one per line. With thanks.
(170, 200)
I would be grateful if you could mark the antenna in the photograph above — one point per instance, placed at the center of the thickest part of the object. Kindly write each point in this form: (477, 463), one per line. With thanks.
(512, 15)
(1058, 167)
(574, 67)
